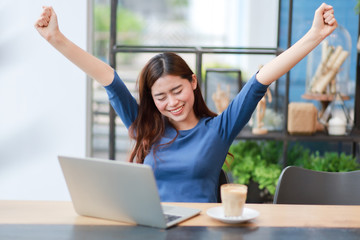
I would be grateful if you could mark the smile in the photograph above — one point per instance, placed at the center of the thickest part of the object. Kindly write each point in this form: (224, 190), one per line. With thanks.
(177, 110)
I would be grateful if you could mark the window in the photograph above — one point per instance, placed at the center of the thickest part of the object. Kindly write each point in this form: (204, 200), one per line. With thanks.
(188, 23)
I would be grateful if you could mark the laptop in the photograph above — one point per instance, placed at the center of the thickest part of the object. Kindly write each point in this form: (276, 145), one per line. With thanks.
(119, 191)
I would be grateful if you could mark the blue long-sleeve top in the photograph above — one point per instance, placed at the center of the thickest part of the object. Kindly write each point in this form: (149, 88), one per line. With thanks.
(188, 169)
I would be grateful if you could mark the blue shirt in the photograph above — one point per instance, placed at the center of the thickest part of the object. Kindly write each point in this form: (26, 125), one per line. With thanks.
(188, 169)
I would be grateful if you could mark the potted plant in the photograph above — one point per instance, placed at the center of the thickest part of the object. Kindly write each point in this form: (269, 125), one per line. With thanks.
(256, 165)
(328, 162)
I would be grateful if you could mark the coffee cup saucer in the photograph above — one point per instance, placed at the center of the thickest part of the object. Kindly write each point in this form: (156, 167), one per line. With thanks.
(218, 213)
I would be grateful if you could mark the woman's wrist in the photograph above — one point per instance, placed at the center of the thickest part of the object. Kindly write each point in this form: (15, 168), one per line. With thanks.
(314, 37)
(55, 38)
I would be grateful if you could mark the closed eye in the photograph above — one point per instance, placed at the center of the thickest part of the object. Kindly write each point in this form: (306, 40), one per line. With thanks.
(161, 99)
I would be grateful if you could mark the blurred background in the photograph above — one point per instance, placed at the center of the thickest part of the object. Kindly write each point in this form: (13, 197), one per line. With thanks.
(50, 108)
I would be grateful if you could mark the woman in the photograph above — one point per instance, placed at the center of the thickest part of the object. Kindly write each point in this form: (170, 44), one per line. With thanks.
(184, 142)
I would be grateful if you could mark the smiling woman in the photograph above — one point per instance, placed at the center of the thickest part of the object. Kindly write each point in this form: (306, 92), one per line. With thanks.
(174, 131)
(167, 88)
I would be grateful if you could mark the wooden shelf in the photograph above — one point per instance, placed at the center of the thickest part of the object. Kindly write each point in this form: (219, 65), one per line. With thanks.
(246, 134)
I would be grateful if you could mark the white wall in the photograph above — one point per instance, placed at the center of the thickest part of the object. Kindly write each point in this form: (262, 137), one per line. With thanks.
(42, 100)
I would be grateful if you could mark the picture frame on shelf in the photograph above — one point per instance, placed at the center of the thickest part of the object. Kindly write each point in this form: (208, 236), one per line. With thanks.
(221, 87)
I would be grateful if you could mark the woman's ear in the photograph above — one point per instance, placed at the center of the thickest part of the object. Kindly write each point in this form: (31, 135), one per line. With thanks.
(194, 81)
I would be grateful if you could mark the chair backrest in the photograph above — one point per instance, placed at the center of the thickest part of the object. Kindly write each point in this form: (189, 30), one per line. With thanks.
(302, 186)
(223, 179)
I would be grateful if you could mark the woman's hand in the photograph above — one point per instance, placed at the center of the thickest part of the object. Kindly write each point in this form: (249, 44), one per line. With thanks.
(324, 22)
(47, 24)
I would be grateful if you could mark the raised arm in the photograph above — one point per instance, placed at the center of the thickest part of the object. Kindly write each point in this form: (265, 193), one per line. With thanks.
(48, 28)
(324, 24)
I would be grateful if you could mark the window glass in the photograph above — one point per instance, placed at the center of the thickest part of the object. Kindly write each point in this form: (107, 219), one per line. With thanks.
(177, 23)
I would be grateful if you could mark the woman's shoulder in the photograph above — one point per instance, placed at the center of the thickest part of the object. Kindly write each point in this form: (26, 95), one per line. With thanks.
(207, 121)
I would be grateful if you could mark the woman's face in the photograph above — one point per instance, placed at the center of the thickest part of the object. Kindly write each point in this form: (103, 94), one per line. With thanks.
(174, 98)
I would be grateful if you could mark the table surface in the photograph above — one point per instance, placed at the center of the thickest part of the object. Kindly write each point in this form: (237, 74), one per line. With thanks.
(41, 219)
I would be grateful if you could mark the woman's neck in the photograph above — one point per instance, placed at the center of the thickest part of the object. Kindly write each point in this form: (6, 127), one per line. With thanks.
(190, 123)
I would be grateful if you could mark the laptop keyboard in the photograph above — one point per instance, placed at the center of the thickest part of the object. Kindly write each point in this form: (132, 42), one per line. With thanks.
(169, 218)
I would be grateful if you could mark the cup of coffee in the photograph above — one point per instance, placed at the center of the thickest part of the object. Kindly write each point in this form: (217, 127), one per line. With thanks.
(233, 197)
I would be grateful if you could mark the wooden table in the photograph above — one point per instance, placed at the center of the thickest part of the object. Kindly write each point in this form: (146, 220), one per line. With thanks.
(58, 220)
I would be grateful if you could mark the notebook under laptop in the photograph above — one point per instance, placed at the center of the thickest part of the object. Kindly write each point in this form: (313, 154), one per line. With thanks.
(119, 191)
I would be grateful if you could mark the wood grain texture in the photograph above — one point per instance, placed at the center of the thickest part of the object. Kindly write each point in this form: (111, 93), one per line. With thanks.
(271, 215)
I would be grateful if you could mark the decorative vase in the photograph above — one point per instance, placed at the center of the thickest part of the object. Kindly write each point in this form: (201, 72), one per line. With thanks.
(336, 117)
(328, 65)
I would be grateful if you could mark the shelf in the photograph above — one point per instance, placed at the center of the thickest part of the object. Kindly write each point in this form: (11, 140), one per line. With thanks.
(199, 50)
(322, 136)
(246, 134)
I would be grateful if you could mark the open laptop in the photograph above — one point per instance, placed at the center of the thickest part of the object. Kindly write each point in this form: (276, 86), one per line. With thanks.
(120, 191)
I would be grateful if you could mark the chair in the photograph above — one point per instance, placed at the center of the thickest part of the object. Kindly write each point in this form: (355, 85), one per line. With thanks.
(223, 179)
(302, 186)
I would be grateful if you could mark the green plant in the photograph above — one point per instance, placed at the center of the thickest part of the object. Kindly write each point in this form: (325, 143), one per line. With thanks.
(357, 7)
(267, 175)
(129, 29)
(258, 162)
(331, 162)
(297, 154)
(126, 21)
(255, 161)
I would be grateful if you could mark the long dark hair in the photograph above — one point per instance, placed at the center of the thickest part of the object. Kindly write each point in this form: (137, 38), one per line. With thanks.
(149, 126)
